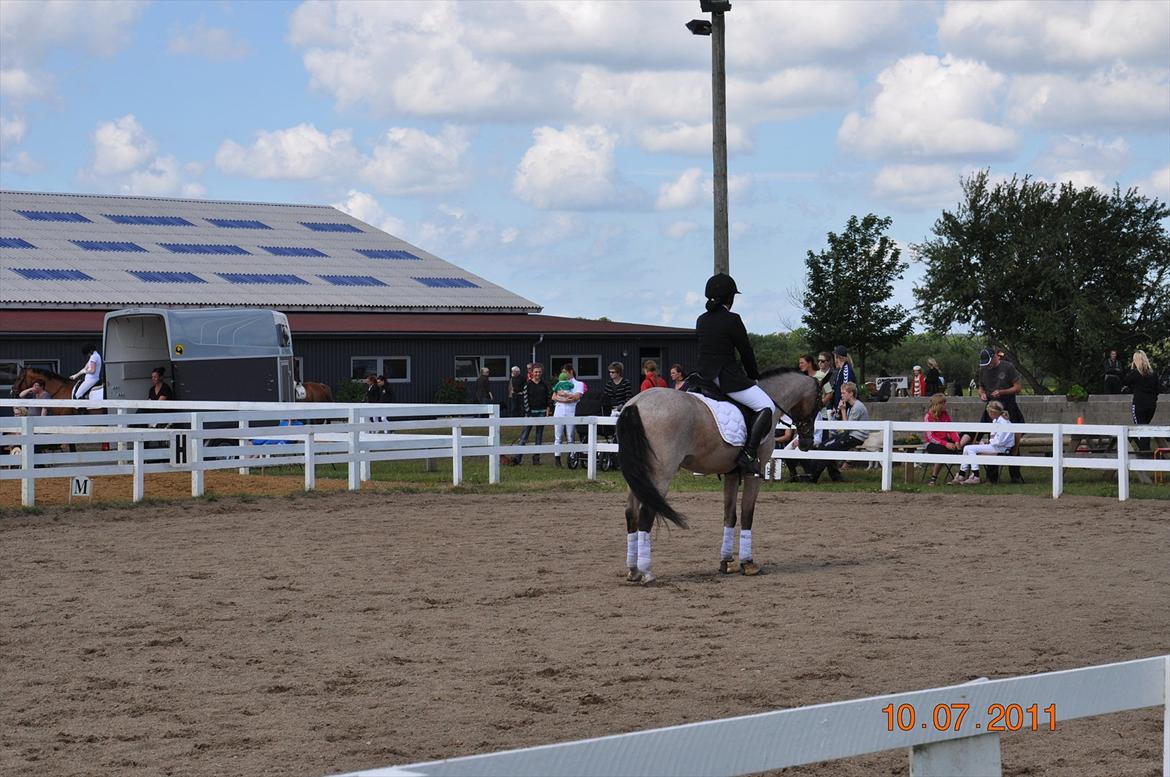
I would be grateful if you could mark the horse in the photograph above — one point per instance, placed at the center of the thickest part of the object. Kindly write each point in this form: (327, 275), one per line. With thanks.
(315, 392)
(58, 386)
(662, 430)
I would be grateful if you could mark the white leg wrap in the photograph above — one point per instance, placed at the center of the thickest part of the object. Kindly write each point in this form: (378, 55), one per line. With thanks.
(644, 552)
(728, 538)
(745, 544)
(632, 549)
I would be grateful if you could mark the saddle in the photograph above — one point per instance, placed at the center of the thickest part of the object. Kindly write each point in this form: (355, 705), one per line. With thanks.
(697, 384)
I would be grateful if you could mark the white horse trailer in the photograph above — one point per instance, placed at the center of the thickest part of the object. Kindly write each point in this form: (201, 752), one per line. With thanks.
(210, 354)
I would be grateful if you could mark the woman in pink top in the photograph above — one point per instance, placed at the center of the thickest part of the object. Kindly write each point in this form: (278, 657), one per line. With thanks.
(940, 442)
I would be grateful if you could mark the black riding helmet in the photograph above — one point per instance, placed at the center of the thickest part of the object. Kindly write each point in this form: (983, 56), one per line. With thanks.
(720, 286)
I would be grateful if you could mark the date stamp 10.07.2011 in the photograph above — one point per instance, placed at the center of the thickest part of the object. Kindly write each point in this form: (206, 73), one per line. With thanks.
(955, 717)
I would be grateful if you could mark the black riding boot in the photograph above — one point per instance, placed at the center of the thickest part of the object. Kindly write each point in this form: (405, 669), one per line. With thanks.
(760, 426)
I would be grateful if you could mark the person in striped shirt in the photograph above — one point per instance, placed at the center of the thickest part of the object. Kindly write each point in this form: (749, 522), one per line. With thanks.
(618, 389)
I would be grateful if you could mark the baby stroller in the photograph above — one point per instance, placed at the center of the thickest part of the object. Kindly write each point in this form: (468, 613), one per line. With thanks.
(605, 461)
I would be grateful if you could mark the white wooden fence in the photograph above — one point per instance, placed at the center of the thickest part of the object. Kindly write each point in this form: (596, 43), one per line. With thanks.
(947, 731)
(230, 435)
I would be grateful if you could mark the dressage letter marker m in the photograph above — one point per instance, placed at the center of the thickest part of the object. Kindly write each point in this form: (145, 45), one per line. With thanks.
(80, 487)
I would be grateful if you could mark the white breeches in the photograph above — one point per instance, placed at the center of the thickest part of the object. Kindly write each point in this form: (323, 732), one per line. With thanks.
(975, 450)
(564, 411)
(754, 397)
(88, 382)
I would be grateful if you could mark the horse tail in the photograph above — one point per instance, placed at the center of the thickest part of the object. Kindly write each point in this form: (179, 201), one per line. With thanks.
(637, 456)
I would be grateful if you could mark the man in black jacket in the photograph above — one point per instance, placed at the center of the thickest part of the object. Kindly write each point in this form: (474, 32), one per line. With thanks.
(537, 395)
(721, 335)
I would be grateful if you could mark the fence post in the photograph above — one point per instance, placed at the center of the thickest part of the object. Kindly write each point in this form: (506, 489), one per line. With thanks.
(1122, 463)
(591, 467)
(355, 441)
(310, 463)
(245, 442)
(456, 454)
(958, 757)
(493, 443)
(887, 455)
(1166, 717)
(1058, 461)
(195, 454)
(139, 476)
(28, 486)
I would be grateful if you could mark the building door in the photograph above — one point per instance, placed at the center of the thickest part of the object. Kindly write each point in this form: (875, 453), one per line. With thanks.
(652, 354)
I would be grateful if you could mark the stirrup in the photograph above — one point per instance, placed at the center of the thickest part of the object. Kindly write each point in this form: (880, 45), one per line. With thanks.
(749, 465)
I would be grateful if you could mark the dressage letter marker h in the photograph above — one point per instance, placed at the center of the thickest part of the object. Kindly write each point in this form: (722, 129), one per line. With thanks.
(178, 450)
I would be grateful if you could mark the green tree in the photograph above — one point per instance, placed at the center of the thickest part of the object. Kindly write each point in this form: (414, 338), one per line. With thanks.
(848, 287)
(1056, 273)
(779, 349)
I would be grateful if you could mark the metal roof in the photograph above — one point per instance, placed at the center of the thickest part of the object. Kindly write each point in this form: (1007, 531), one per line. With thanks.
(106, 251)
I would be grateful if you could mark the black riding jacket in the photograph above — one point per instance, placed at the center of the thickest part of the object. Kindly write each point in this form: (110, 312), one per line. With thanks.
(721, 334)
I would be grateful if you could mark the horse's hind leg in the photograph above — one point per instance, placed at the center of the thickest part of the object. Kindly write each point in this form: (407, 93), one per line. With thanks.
(727, 564)
(633, 508)
(751, 490)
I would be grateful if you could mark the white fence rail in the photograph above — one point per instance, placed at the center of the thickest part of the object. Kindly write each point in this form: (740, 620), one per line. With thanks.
(197, 437)
(943, 742)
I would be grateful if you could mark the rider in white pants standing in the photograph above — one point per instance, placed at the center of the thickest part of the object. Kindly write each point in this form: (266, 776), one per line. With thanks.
(721, 335)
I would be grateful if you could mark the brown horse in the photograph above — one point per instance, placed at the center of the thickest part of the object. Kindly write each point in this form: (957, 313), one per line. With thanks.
(58, 386)
(662, 430)
(316, 392)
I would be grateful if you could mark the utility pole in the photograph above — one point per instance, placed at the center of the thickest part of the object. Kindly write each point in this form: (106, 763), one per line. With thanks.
(715, 29)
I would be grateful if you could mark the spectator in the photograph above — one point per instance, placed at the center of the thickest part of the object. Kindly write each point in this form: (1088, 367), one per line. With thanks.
(562, 390)
(159, 389)
(844, 373)
(35, 391)
(90, 374)
(373, 392)
(785, 440)
(999, 380)
(618, 390)
(385, 390)
(850, 408)
(1142, 381)
(918, 383)
(1113, 373)
(999, 444)
(934, 380)
(537, 397)
(483, 388)
(939, 442)
(652, 379)
(515, 391)
(807, 364)
(826, 373)
(678, 378)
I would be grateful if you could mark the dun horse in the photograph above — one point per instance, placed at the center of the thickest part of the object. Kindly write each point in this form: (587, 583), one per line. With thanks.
(661, 430)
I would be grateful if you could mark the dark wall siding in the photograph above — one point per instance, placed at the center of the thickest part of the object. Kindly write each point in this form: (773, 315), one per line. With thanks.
(326, 358)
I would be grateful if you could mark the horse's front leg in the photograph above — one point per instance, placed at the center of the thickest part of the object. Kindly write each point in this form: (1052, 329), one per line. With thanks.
(727, 564)
(633, 508)
(751, 490)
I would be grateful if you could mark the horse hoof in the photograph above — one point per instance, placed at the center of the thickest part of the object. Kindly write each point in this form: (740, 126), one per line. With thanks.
(648, 578)
(749, 568)
(728, 566)
(634, 576)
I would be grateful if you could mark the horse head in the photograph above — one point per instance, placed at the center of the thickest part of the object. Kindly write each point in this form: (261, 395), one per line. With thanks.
(795, 394)
(25, 380)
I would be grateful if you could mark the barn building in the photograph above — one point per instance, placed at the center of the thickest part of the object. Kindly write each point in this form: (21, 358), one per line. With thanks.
(358, 299)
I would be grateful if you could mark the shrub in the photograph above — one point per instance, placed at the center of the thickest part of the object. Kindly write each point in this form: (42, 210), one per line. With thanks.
(351, 391)
(1077, 393)
(451, 392)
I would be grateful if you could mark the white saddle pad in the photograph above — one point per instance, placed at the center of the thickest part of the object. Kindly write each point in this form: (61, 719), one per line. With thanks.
(729, 419)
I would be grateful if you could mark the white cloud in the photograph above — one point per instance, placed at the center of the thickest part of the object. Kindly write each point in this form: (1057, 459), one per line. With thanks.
(120, 146)
(796, 91)
(1118, 97)
(11, 130)
(926, 107)
(409, 161)
(19, 84)
(214, 43)
(126, 160)
(509, 235)
(20, 163)
(29, 29)
(554, 229)
(922, 186)
(690, 189)
(1157, 185)
(677, 230)
(1084, 160)
(299, 152)
(1041, 35)
(454, 232)
(680, 138)
(571, 169)
(365, 207)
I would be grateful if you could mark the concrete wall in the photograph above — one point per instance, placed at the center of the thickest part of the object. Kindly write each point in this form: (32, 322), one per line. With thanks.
(1098, 409)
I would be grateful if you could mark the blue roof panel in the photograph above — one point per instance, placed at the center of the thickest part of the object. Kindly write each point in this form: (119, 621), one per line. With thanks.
(447, 283)
(293, 251)
(203, 248)
(53, 215)
(166, 276)
(352, 280)
(108, 245)
(15, 242)
(263, 278)
(149, 221)
(35, 274)
(329, 226)
(239, 224)
(386, 253)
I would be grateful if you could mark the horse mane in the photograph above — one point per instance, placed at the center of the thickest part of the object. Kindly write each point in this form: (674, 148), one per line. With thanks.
(50, 374)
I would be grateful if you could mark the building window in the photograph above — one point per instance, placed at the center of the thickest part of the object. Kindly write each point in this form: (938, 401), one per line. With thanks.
(395, 368)
(586, 367)
(468, 367)
(10, 370)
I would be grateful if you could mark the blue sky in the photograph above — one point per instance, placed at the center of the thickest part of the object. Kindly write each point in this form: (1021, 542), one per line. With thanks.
(562, 149)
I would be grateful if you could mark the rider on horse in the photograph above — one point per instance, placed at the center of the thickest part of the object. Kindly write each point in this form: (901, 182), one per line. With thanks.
(92, 372)
(721, 334)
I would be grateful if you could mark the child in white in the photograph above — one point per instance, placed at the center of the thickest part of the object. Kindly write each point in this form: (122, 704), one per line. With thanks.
(92, 372)
(1000, 442)
(565, 406)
